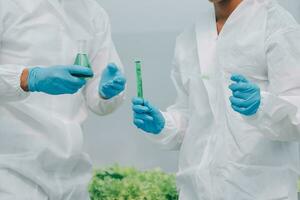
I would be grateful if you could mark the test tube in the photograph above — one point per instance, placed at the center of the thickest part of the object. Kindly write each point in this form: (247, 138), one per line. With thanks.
(138, 68)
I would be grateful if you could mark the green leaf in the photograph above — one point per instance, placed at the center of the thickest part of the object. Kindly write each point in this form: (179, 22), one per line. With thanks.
(117, 183)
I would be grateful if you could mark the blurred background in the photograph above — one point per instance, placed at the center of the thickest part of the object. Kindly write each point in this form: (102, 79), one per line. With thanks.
(145, 30)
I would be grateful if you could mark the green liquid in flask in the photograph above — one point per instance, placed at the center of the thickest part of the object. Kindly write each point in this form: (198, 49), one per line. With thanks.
(138, 68)
(82, 58)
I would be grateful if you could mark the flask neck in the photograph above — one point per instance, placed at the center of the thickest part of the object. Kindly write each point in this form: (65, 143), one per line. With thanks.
(82, 47)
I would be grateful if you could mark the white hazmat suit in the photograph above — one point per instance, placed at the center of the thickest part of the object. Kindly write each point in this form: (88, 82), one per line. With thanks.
(293, 6)
(224, 155)
(41, 139)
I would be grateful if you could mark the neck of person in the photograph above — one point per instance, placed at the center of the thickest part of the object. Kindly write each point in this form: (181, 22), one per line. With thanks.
(223, 10)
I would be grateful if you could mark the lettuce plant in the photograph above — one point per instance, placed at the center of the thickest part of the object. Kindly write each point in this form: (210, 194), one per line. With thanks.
(117, 183)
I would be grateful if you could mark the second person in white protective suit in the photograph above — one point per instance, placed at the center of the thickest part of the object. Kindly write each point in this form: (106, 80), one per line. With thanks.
(236, 119)
(44, 98)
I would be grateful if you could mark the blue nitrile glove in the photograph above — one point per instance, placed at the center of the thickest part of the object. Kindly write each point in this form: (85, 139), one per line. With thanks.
(57, 80)
(246, 96)
(147, 117)
(112, 82)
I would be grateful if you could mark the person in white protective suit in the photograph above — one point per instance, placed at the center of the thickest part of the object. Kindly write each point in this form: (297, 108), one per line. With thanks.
(236, 119)
(41, 104)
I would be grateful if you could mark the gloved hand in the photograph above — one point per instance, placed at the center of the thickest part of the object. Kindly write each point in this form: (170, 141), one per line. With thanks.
(246, 96)
(147, 117)
(57, 80)
(112, 82)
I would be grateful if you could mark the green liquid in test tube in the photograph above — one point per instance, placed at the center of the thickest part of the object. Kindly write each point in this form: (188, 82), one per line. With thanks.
(82, 58)
(138, 68)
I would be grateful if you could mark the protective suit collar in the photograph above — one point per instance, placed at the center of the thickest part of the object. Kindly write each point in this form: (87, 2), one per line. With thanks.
(208, 42)
(236, 16)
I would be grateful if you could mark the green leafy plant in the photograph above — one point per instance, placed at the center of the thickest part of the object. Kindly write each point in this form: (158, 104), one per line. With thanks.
(117, 183)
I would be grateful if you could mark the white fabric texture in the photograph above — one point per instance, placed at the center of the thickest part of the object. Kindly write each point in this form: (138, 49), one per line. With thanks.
(41, 136)
(224, 155)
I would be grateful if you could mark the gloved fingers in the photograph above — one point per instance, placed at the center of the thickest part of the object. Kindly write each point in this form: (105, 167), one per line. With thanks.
(71, 86)
(72, 91)
(238, 87)
(107, 87)
(240, 110)
(242, 87)
(239, 78)
(77, 70)
(140, 109)
(144, 103)
(104, 88)
(114, 88)
(112, 68)
(117, 87)
(147, 103)
(75, 81)
(119, 80)
(143, 117)
(250, 110)
(108, 83)
(255, 96)
(242, 102)
(152, 109)
(254, 108)
(75, 86)
(241, 95)
(138, 101)
(139, 123)
(108, 92)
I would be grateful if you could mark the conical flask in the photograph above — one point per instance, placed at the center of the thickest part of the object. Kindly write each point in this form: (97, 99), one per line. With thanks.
(82, 58)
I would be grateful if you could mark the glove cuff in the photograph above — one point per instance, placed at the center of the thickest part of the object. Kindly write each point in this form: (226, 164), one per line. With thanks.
(32, 77)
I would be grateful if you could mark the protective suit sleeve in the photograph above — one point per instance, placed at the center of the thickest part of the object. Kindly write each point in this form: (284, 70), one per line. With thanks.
(10, 89)
(10, 74)
(176, 116)
(279, 116)
(106, 53)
